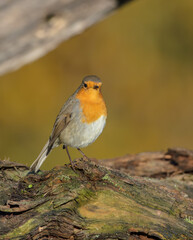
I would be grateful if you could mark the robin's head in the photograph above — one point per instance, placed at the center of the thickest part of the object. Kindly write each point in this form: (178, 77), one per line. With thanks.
(90, 89)
(91, 100)
(91, 82)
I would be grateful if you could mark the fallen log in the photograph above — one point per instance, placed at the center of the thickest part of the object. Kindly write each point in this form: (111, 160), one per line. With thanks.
(94, 202)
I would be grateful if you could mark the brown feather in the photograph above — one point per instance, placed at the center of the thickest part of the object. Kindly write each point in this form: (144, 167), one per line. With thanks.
(60, 124)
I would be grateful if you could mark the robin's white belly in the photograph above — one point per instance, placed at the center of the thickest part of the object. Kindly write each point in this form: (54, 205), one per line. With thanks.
(79, 134)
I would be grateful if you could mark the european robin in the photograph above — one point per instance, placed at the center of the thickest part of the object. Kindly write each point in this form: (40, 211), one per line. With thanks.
(80, 121)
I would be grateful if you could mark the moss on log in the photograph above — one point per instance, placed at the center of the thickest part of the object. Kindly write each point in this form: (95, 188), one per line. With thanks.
(92, 203)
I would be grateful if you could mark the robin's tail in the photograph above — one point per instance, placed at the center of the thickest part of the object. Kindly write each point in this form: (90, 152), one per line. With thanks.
(40, 159)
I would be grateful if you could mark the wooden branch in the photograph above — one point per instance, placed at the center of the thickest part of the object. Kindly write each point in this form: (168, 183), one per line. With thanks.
(92, 203)
(31, 28)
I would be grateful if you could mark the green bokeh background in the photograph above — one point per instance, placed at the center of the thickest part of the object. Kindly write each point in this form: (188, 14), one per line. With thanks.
(144, 56)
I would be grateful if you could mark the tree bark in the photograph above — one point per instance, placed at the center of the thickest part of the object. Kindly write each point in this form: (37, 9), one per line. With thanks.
(95, 202)
(31, 28)
(153, 164)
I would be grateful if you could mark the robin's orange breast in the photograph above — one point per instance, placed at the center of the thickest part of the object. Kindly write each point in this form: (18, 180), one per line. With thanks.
(92, 104)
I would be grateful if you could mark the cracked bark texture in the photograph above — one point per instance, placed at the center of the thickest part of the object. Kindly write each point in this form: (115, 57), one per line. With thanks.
(30, 29)
(95, 202)
(153, 164)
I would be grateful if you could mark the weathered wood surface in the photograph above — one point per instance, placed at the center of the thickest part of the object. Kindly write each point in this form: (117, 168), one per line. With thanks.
(31, 28)
(94, 203)
(153, 164)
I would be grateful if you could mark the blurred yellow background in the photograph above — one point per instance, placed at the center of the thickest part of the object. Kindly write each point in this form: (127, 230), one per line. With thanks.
(144, 56)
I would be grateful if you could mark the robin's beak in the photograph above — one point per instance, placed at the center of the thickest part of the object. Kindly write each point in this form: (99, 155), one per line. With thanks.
(96, 87)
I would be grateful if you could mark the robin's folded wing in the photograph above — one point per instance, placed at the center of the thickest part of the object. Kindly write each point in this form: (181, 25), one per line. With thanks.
(61, 122)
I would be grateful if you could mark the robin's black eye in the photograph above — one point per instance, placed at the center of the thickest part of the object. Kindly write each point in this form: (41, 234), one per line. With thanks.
(96, 87)
(85, 85)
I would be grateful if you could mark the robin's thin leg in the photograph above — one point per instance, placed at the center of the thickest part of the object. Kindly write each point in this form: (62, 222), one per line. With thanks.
(82, 153)
(65, 147)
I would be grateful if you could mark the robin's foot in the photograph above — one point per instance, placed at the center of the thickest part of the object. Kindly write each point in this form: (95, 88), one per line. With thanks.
(72, 166)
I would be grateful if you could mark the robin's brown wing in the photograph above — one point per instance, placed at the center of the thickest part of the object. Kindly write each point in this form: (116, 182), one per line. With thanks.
(61, 122)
